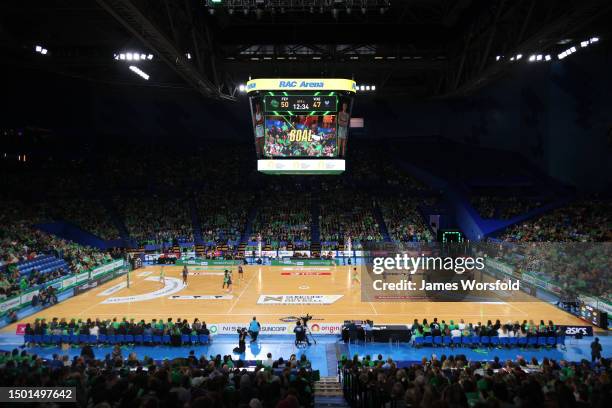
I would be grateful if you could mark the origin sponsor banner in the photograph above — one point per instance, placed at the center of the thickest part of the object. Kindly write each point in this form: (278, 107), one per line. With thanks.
(573, 331)
(232, 328)
(201, 297)
(325, 328)
(297, 299)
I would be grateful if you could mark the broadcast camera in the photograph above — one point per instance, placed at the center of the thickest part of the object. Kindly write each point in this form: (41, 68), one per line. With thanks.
(305, 319)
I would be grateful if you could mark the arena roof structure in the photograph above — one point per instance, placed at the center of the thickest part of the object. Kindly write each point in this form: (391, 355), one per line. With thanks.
(416, 48)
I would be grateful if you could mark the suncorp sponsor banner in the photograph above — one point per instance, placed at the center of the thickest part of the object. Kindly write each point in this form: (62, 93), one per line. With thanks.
(27, 297)
(297, 299)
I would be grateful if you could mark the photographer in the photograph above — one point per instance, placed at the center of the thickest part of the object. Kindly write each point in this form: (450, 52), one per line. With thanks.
(242, 334)
(300, 334)
(254, 328)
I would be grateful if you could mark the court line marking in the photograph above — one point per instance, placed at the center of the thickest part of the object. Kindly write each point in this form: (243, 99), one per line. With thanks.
(241, 293)
(136, 281)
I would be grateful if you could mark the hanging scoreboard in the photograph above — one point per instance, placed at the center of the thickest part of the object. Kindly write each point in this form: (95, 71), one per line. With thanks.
(301, 125)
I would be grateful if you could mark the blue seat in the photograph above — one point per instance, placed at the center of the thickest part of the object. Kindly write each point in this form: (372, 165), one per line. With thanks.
(185, 339)
(28, 338)
(74, 339)
(129, 338)
(83, 338)
(457, 341)
(147, 338)
(120, 338)
(561, 340)
(65, 338)
(93, 339)
(56, 339)
(532, 341)
(484, 340)
(437, 340)
(466, 340)
(166, 339)
(513, 341)
(551, 341)
(542, 341)
(194, 339)
(204, 338)
(428, 340)
(495, 341)
(504, 341)
(418, 341)
(139, 339)
(102, 338)
(157, 339)
(447, 341)
(522, 341)
(46, 339)
(111, 339)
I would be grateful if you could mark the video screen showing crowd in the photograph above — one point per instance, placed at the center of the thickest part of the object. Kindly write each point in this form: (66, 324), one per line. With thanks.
(301, 123)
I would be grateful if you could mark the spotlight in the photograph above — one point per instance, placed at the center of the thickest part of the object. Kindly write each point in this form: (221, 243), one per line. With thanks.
(584, 44)
(122, 56)
(497, 58)
(594, 39)
(519, 56)
(211, 11)
(188, 55)
(547, 58)
(115, 56)
(373, 87)
(139, 72)
(511, 58)
(367, 87)
(562, 55)
(150, 57)
(136, 57)
(38, 48)
(245, 11)
(143, 57)
(532, 58)
(573, 49)
(362, 88)
(539, 57)
(128, 56)
(242, 88)
(230, 11)
(43, 51)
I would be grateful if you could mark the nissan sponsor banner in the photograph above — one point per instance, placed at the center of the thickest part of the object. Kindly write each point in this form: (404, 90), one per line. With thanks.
(297, 299)
(9, 304)
(573, 331)
(266, 328)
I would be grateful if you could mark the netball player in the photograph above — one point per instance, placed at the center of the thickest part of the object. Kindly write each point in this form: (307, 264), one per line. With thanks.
(355, 276)
(162, 277)
(185, 273)
(227, 280)
(240, 272)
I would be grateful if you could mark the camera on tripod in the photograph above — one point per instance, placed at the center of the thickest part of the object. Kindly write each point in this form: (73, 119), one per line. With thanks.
(305, 319)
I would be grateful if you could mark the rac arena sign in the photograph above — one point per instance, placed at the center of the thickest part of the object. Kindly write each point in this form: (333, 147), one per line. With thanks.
(301, 84)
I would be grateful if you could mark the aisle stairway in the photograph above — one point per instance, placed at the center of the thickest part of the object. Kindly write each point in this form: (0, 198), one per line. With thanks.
(328, 393)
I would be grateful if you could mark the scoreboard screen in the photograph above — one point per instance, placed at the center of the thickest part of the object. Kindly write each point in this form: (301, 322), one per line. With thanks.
(300, 103)
(301, 125)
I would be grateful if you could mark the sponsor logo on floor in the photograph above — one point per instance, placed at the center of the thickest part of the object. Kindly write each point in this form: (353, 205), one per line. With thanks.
(206, 273)
(306, 273)
(171, 286)
(201, 297)
(297, 299)
(113, 289)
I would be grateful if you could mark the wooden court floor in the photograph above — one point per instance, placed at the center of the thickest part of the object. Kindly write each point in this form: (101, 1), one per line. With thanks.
(148, 298)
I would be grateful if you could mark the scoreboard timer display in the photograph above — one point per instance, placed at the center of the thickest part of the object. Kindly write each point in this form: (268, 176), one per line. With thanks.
(595, 316)
(300, 103)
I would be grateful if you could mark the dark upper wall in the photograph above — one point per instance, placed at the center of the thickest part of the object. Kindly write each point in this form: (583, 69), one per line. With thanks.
(558, 115)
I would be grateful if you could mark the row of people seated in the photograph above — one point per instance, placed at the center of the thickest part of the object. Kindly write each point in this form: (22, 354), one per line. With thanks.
(497, 329)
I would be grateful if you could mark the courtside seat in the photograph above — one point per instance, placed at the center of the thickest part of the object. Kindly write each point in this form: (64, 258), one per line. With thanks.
(147, 338)
(129, 338)
(485, 340)
(561, 340)
(74, 339)
(194, 339)
(204, 338)
(138, 339)
(166, 339)
(542, 341)
(513, 341)
(504, 341)
(120, 338)
(56, 339)
(111, 339)
(419, 341)
(93, 339)
(65, 338)
(428, 340)
(494, 341)
(532, 341)
(46, 339)
(102, 338)
(83, 338)
(28, 338)
(447, 340)
(522, 341)
(437, 340)
(457, 341)
(185, 339)
(466, 340)
(157, 339)
(38, 338)
(551, 341)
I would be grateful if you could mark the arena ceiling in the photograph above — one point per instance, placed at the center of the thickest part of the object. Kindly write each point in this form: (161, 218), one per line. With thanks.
(417, 48)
